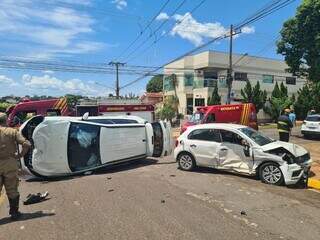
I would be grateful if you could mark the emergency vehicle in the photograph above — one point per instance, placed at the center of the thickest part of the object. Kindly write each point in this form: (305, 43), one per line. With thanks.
(145, 111)
(243, 114)
(26, 109)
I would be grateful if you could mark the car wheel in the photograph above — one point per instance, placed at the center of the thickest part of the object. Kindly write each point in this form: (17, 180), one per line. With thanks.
(270, 173)
(186, 162)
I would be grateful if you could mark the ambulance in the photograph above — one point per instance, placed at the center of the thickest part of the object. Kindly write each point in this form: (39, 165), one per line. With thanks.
(243, 114)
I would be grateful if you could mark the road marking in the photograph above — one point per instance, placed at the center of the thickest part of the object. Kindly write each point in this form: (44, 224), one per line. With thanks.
(314, 183)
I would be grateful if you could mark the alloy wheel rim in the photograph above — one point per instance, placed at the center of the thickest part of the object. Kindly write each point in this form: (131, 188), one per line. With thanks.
(271, 174)
(185, 162)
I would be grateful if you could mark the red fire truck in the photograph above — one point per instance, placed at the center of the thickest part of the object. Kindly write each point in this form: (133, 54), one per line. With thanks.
(244, 114)
(58, 107)
(145, 111)
(26, 109)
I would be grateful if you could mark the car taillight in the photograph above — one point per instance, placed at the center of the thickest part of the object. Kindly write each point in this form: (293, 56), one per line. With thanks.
(177, 143)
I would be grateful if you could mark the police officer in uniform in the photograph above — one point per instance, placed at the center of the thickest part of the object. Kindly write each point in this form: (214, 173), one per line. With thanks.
(284, 126)
(10, 138)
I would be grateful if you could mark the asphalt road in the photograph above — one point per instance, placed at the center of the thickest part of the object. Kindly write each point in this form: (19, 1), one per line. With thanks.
(152, 199)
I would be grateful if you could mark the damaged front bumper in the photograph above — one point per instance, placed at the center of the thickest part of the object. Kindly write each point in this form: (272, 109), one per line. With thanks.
(292, 173)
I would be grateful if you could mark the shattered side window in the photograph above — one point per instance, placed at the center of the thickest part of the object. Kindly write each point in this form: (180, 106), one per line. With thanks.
(83, 146)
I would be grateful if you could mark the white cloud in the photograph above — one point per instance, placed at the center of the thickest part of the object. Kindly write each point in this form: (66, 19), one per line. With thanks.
(189, 28)
(120, 4)
(64, 86)
(52, 29)
(162, 16)
(248, 30)
(7, 81)
(49, 72)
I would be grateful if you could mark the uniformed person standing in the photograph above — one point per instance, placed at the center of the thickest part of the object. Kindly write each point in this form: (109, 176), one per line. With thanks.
(10, 138)
(284, 126)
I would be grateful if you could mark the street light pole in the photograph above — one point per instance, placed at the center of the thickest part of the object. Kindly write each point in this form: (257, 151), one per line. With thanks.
(230, 78)
(117, 64)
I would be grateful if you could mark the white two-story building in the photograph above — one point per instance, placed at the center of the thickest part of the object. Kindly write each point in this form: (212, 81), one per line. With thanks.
(197, 75)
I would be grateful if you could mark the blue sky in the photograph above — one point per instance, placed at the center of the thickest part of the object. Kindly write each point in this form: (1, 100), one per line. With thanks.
(98, 31)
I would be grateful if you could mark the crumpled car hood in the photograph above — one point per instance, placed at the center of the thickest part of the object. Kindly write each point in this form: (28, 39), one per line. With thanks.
(295, 149)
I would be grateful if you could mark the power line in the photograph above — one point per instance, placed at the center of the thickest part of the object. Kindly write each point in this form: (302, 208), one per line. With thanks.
(143, 30)
(159, 27)
(162, 36)
(271, 8)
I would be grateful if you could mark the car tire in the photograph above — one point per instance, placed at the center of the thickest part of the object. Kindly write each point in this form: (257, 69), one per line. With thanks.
(186, 162)
(270, 173)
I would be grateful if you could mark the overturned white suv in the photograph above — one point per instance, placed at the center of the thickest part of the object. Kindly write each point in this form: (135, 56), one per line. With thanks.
(243, 150)
(63, 146)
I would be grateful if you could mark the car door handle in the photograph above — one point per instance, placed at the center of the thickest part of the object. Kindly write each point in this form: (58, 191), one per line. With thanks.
(193, 145)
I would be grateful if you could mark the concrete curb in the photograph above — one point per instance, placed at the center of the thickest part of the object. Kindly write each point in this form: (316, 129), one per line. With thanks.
(314, 183)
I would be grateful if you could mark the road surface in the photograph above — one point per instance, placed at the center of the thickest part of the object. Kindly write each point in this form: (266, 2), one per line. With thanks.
(152, 199)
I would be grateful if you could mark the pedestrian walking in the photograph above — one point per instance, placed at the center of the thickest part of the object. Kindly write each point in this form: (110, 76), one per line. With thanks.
(293, 117)
(10, 139)
(284, 126)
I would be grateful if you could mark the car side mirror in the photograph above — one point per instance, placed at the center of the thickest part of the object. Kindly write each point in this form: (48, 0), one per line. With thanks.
(85, 116)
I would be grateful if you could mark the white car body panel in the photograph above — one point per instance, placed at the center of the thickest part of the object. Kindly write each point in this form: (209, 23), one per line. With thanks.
(50, 148)
(311, 127)
(118, 142)
(122, 143)
(231, 157)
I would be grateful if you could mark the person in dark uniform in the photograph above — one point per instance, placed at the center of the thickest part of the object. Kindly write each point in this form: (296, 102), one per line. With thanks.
(10, 138)
(284, 126)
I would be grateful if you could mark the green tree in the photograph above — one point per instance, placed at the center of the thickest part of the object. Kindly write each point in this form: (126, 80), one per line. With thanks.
(73, 100)
(215, 98)
(169, 109)
(303, 103)
(279, 100)
(155, 83)
(254, 95)
(300, 41)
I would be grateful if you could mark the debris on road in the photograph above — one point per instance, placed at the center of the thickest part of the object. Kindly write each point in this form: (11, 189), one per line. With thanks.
(110, 190)
(172, 175)
(163, 201)
(109, 178)
(243, 213)
(36, 198)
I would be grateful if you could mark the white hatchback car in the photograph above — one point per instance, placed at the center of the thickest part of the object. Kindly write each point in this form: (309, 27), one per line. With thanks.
(311, 126)
(243, 150)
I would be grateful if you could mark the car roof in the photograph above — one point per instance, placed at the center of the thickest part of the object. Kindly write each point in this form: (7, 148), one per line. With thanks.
(228, 126)
(68, 118)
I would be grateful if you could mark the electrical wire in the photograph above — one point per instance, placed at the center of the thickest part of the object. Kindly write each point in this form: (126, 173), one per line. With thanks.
(271, 8)
(144, 29)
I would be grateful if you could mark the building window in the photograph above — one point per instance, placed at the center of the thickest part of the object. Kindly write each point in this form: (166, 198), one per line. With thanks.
(188, 79)
(267, 78)
(189, 106)
(210, 75)
(199, 102)
(240, 76)
(168, 83)
(291, 80)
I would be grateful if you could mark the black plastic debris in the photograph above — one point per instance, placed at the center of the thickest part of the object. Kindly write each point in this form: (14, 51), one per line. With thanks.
(110, 190)
(109, 178)
(243, 213)
(36, 198)
(172, 175)
(163, 201)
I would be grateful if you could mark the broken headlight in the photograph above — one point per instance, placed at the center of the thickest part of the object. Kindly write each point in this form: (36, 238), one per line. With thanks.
(284, 153)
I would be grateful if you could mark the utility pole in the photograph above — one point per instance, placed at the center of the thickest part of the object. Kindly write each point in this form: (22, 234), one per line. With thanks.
(117, 64)
(230, 77)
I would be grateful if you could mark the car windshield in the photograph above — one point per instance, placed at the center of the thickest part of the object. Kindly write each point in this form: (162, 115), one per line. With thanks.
(197, 117)
(256, 136)
(313, 118)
